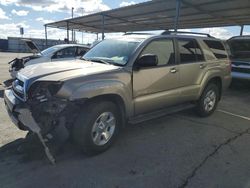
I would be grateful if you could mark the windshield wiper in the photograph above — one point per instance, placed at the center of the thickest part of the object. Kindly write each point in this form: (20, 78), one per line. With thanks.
(99, 61)
(82, 58)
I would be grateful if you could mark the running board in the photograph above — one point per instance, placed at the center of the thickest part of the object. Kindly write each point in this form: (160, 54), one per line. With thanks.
(160, 113)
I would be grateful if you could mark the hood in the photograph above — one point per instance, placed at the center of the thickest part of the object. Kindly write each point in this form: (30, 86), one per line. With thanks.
(61, 70)
(31, 45)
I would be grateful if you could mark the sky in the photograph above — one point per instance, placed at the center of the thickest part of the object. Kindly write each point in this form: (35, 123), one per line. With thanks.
(33, 14)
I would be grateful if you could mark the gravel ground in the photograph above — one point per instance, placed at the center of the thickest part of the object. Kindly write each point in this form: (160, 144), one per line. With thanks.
(179, 150)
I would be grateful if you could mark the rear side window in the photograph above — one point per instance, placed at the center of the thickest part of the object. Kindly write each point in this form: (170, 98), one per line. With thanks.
(190, 52)
(66, 53)
(80, 51)
(217, 48)
(240, 48)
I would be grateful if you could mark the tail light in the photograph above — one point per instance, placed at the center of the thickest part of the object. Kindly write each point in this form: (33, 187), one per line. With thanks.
(230, 65)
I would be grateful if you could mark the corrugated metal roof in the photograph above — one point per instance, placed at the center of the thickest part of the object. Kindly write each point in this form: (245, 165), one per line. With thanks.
(160, 15)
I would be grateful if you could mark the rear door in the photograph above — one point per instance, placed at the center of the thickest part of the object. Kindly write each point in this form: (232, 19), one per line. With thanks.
(192, 67)
(156, 87)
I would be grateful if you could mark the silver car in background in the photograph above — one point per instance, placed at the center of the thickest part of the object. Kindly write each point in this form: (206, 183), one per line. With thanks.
(62, 52)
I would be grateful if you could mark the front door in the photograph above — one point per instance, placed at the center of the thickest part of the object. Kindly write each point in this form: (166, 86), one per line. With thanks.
(156, 87)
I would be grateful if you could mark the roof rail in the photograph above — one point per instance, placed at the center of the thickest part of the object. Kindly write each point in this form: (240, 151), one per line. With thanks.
(185, 32)
(136, 33)
(240, 37)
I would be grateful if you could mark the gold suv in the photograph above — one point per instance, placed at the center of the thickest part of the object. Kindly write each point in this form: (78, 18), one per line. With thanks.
(130, 79)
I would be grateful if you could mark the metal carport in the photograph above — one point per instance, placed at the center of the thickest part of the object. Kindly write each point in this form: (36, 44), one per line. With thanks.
(161, 15)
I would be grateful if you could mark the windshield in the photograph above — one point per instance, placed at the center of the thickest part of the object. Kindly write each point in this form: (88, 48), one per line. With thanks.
(50, 50)
(112, 51)
(240, 48)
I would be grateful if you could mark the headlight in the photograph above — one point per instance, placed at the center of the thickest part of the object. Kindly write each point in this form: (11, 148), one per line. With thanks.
(42, 90)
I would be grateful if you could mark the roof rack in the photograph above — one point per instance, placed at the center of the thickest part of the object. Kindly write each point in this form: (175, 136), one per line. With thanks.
(240, 37)
(136, 33)
(185, 32)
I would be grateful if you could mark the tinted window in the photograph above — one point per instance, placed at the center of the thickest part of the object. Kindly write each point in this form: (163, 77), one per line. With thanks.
(198, 51)
(80, 51)
(217, 48)
(66, 53)
(50, 50)
(240, 48)
(189, 51)
(163, 49)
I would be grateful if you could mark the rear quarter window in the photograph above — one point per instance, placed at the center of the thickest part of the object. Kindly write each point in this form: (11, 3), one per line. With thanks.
(217, 48)
(189, 51)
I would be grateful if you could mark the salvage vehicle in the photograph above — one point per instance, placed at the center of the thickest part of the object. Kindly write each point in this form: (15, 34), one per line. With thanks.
(240, 51)
(60, 52)
(130, 79)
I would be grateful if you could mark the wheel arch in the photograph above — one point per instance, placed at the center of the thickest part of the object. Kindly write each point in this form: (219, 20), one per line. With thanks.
(217, 81)
(213, 79)
(114, 98)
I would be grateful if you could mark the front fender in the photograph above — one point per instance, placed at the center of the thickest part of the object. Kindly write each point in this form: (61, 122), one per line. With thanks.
(106, 87)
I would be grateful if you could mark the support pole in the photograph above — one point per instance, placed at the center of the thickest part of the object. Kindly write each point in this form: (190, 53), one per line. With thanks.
(241, 30)
(82, 31)
(103, 28)
(46, 37)
(72, 14)
(68, 32)
(177, 14)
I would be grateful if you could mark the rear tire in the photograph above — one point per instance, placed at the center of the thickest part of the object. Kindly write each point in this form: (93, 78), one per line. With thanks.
(97, 127)
(208, 101)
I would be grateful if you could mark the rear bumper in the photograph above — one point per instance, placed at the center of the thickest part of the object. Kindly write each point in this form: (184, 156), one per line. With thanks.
(226, 82)
(19, 112)
(241, 76)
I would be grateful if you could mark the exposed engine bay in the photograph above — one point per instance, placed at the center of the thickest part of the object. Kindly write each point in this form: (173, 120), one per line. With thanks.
(50, 117)
(54, 116)
(18, 63)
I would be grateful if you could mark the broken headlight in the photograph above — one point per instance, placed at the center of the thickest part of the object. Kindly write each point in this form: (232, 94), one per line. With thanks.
(43, 90)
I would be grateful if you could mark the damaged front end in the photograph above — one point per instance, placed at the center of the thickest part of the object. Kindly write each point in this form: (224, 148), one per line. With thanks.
(42, 112)
(19, 63)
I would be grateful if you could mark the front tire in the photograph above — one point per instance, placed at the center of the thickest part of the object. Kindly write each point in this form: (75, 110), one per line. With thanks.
(97, 127)
(208, 101)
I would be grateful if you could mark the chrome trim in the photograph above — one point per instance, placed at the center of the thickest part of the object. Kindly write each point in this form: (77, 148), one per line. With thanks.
(25, 84)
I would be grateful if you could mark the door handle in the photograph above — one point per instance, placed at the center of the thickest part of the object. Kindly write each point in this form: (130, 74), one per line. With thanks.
(202, 66)
(173, 70)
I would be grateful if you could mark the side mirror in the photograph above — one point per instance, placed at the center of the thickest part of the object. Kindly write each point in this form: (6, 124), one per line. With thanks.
(147, 60)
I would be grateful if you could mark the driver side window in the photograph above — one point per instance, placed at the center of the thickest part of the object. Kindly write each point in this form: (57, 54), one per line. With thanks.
(163, 49)
(65, 53)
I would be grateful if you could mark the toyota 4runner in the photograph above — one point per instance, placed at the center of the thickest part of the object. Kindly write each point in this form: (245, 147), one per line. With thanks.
(130, 79)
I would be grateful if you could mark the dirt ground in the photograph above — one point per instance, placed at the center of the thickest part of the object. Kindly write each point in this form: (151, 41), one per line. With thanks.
(178, 150)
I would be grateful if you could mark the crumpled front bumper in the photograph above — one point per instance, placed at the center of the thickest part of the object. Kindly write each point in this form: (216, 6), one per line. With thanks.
(19, 112)
(21, 116)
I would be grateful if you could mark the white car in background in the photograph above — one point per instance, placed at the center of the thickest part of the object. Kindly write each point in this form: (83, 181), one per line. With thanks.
(62, 52)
